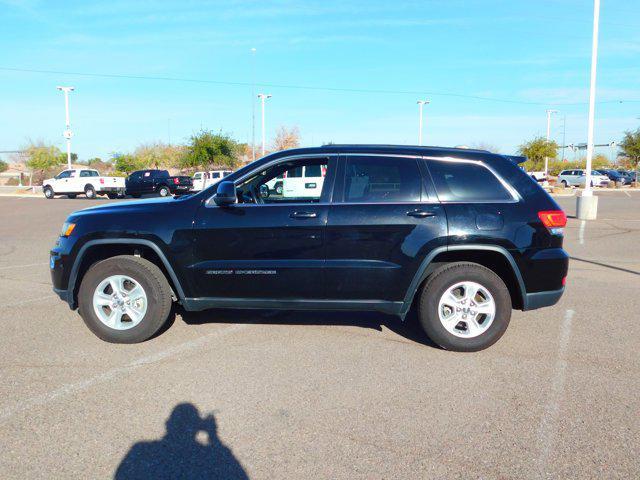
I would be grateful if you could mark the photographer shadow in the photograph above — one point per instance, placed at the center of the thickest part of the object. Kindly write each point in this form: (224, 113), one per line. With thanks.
(180, 453)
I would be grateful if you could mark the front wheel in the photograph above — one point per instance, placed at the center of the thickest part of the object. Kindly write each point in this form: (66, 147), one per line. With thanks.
(164, 191)
(464, 307)
(564, 183)
(124, 299)
(48, 192)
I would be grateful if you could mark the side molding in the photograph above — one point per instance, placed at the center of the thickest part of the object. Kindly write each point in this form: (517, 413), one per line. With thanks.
(119, 241)
(421, 274)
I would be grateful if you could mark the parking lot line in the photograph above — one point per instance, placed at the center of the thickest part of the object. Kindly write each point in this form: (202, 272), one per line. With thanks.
(24, 266)
(23, 302)
(581, 232)
(547, 429)
(116, 372)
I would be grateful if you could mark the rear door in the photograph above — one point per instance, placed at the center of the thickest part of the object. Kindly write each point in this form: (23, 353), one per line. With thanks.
(382, 223)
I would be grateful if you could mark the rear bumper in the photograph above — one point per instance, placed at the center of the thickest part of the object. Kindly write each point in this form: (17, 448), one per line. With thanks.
(536, 300)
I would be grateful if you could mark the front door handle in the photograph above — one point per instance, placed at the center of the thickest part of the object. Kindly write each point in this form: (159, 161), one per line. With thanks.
(303, 215)
(420, 214)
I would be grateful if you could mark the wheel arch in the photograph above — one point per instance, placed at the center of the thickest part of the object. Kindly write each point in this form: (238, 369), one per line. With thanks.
(96, 250)
(496, 258)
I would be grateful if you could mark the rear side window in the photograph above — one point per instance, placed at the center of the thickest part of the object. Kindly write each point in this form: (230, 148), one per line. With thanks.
(466, 182)
(313, 171)
(382, 179)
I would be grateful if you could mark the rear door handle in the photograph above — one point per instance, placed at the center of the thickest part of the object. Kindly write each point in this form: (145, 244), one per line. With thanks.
(303, 215)
(420, 214)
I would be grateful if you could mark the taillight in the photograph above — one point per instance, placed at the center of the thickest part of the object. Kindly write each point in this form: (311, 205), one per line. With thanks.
(102, 181)
(554, 220)
(176, 181)
(324, 171)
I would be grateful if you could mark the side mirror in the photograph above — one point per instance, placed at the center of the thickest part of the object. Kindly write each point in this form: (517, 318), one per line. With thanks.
(225, 194)
(264, 191)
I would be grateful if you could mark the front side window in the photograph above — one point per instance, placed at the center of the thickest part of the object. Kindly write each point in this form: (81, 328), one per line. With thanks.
(466, 182)
(382, 179)
(65, 174)
(285, 183)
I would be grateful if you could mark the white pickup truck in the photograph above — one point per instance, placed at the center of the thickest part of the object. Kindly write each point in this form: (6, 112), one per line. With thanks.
(202, 180)
(77, 181)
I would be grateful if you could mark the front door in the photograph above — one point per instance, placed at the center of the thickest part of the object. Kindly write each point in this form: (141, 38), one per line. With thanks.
(382, 224)
(266, 246)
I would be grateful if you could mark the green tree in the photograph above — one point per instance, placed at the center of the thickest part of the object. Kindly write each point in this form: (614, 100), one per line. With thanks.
(160, 154)
(208, 150)
(536, 150)
(128, 163)
(3, 166)
(630, 149)
(41, 157)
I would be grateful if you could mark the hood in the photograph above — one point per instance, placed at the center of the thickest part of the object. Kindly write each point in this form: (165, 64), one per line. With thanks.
(115, 207)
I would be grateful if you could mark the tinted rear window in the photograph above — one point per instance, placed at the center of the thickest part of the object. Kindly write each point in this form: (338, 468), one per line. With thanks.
(382, 179)
(466, 182)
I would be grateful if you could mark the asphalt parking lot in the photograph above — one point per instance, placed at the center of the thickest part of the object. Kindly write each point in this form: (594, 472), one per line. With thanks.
(331, 395)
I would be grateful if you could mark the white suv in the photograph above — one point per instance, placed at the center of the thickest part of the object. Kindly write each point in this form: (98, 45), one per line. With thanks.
(304, 182)
(578, 178)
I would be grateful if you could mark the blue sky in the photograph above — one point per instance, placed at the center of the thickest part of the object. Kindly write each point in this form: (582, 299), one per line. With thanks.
(531, 54)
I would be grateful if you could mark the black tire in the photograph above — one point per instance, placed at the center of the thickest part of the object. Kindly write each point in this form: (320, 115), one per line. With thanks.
(279, 188)
(90, 192)
(71, 196)
(447, 276)
(152, 281)
(564, 183)
(112, 196)
(163, 191)
(48, 192)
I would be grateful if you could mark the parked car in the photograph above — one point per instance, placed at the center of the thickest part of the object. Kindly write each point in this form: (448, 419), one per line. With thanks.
(464, 235)
(79, 181)
(578, 178)
(144, 182)
(202, 180)
(540, 176)
(615, 176)
(628, 175)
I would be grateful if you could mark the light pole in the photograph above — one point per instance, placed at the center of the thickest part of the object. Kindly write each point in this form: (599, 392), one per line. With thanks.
(587, 204)
(546, 159)
(421, 103)
(263, 97)
(67, 133)
(253, 104)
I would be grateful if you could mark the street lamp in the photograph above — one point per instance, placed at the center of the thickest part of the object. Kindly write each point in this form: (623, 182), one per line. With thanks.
(587, 204)
(421, 103)
(67, 133)
(253, 104)
(263, 97)
(546, 159)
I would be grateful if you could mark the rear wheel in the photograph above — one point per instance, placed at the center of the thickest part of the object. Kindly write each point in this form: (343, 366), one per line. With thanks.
(124, 299)
(90, 192)
(164, 191)
(48, 192)
(464, 307)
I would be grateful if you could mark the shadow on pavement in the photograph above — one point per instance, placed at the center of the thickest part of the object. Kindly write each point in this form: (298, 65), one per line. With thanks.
(600, 264)
(180, 454)
(410, 329)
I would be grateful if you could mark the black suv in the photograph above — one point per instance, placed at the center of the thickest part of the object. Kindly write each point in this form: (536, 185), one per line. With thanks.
(143, 182)
(465, 235)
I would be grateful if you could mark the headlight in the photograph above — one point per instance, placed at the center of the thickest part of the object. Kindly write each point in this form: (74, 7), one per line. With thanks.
(67, 229)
